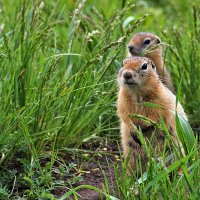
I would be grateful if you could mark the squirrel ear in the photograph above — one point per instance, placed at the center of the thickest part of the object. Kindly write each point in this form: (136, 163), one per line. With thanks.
(158, 41)
(153, 65)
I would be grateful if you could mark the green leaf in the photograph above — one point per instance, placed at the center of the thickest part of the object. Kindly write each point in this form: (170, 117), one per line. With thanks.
(185, 133)
(145, 119)
(152, 105)
(127, 21)
(66, 195)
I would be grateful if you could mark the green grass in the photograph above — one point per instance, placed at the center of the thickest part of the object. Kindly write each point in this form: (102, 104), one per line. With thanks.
(58, 63)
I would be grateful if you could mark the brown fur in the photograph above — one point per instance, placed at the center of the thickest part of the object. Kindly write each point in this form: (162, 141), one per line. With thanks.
(153, 51)
(144, 86)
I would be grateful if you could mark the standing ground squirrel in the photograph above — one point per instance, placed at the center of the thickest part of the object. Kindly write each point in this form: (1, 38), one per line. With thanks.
(149, 45)
(138, 83)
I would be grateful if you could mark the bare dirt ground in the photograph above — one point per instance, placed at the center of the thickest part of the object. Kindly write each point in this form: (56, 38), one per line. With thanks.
(95, 170)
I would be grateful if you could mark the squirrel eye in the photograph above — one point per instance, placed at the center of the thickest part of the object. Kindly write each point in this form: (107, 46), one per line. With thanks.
(147, 41)
(144, 66)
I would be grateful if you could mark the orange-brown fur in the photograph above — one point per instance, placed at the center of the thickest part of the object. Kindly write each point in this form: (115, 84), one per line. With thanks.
(143, 86)
(153, 51)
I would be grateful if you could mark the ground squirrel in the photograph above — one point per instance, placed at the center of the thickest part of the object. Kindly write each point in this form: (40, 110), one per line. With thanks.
(138, 83)
(149, 45)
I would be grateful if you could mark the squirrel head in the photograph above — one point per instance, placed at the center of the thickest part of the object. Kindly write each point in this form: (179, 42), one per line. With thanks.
(145, 44)
(138, 74)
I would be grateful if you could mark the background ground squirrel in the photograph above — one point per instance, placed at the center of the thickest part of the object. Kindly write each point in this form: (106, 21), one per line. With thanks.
(138, 83)
(150, 46)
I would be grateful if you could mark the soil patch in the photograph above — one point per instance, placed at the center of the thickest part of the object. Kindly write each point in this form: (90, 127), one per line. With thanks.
(95, 170)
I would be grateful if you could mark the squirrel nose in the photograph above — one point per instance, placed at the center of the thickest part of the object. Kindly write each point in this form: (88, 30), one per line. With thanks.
(127, 75)
(130, 47)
